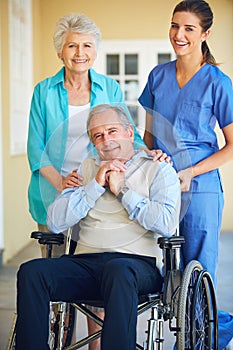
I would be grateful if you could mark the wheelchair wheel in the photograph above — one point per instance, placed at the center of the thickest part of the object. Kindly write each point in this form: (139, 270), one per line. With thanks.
(204, 314)
(62, 325)
(197, 310)
(12, 335)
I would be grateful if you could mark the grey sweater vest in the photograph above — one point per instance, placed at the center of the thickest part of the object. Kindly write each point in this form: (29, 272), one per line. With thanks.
(107, 227)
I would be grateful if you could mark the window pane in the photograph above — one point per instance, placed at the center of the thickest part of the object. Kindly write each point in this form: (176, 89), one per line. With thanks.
(131, 90)
(164, 57)
(113, 64)
(134, 113)
(131, 64)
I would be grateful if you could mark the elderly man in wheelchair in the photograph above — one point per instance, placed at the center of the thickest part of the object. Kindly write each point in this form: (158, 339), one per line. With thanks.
(127, 200)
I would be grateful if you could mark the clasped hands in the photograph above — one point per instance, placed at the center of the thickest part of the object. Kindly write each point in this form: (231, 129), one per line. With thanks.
(111, 174)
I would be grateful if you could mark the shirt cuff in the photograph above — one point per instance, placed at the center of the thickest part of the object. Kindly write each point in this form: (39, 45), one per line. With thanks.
(93, 190)
(130, 200)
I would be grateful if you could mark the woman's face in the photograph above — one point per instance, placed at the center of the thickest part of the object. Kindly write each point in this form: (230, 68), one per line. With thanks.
(79, 52)
(186, 34)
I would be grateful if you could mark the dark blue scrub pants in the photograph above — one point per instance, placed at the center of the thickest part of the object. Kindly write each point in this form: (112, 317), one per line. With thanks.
(201, 227)
(116, 278)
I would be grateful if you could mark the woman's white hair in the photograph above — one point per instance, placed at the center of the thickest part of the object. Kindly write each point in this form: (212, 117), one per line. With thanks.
(77, 23)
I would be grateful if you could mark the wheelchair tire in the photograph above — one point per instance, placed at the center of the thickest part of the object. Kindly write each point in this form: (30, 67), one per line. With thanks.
(197, 311)
(11, 339)
(67, 332)
(204, 314)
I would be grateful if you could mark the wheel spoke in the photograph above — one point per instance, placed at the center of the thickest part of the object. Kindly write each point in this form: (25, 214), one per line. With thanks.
(197, 320)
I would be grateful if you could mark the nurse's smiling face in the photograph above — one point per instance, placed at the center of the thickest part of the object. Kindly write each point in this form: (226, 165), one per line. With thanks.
(186, 34)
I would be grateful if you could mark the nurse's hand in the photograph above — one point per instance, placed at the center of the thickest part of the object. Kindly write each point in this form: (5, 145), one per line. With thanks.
(157, 154)
(72, 180)
(185, 176)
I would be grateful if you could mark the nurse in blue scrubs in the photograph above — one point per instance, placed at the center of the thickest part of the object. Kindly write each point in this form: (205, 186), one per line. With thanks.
(184, 99)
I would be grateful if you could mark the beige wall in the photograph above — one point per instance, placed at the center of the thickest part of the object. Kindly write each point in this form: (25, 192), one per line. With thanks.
(122, 19)
(130, 19)
(17, 222)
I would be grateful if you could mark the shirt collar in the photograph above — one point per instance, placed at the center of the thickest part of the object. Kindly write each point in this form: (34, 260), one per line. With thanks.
(96, 78)
(58, 77)
(138, 154)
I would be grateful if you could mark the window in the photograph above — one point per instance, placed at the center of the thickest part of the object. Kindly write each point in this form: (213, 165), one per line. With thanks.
(20, 30)
(129, 62)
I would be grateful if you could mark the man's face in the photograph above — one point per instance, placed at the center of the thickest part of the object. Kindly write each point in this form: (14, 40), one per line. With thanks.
(110, 138)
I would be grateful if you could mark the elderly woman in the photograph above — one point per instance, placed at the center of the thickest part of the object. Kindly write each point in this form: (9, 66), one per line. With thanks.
(57, 138)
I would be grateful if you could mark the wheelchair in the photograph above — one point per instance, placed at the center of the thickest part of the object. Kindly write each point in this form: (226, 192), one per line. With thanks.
(187, 302)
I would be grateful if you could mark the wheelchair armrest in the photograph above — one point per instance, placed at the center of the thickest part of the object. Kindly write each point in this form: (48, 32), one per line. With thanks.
(170, 242)
(171, 252)
(48, 237)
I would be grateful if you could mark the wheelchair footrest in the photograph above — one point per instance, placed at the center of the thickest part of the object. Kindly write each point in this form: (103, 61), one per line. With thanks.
(152, 297)
(48, 237)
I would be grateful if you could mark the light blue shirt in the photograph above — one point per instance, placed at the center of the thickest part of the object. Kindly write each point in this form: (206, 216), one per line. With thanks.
(155, 213)
(48, 128)
(184, 118)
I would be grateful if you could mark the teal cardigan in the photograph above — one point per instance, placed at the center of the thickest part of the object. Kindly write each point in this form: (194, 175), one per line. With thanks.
(48, 128)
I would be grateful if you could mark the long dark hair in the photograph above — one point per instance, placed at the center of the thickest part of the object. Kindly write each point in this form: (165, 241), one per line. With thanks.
(203, 11)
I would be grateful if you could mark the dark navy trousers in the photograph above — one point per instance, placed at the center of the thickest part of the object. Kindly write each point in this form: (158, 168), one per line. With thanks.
(201, 227)
(115, 278)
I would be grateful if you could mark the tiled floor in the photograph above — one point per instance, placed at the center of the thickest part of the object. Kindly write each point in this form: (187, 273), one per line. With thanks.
(8, 289)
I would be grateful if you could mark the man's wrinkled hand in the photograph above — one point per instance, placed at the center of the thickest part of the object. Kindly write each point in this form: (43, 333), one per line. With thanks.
(116, 180)
(102, 176)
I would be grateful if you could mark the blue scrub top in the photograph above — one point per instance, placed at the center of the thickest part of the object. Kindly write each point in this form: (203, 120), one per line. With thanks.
(184, 118)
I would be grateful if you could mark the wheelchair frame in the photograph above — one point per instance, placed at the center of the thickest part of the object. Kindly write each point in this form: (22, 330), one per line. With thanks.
(187, 302)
